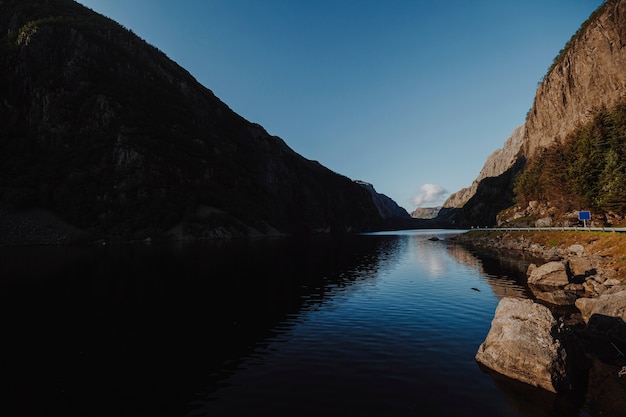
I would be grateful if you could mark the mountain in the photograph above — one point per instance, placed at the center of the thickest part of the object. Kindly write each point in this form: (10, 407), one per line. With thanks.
(385, 205)
(425, 212)
(103, 136)
(497, 163)
(572, 142)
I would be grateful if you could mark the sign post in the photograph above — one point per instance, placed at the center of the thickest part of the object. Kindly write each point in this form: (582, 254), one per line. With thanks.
(584, 216)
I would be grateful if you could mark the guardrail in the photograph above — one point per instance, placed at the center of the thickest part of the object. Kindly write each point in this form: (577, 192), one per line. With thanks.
(575, 229)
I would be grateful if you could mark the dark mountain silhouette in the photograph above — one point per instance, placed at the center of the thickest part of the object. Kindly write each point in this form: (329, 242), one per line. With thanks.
(109, 138)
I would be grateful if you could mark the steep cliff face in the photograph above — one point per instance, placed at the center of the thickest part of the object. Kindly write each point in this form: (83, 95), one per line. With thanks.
(587, 78)
(106, 132)
(497, 163)
(588, 75)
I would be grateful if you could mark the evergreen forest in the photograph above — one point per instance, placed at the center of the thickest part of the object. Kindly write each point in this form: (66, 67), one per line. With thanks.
(587, 170)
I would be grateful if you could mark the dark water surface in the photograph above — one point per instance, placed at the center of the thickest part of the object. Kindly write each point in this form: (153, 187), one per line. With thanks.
(371, 325)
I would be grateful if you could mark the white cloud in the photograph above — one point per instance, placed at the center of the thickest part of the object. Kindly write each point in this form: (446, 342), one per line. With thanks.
(430, 195)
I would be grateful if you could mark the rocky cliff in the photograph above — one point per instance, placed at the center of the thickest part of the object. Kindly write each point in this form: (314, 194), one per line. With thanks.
(589, 73)
(497, 163)
(111, 138)
(587, 77)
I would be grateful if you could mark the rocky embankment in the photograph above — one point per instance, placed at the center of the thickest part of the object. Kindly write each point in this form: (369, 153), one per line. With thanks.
(571, 338)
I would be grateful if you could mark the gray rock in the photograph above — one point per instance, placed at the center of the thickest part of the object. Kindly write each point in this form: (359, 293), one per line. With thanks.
(599, 279)
(551, 274)
(543, 222)
(612, 282)
(556, 297)
(520, 345)
(610, 304)
(580, 266)
(577, 249)
(574, 287)
(593, 287)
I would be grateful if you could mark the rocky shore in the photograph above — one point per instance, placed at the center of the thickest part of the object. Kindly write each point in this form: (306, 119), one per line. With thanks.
(570, 339)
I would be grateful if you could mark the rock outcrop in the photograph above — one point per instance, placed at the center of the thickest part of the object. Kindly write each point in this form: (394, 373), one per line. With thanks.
(550, 283)
(551, 275)
(497, 163)
(593, 338)
(611, 304)
(588, 75)
(109, 135)
(521, 345)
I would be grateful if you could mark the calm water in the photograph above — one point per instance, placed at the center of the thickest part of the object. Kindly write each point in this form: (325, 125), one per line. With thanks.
(372, 325)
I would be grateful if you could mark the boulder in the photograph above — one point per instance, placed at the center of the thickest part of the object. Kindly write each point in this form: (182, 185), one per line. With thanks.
(520, 345)
(594, 287)
(575, 288)
(580, 266)
(600, 279)
(577, 249)
(611, 304)
(612, 282)
(551, 274)
(557, 297)
(543, 222)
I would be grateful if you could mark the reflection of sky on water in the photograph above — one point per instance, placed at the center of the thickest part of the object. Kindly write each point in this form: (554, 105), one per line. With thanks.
(292, 321)
(426, 256)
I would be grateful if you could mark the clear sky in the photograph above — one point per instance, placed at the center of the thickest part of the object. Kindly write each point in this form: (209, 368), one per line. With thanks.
(409, 95)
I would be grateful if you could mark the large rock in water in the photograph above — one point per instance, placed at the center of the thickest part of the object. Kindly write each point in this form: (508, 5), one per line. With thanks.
(520, 345)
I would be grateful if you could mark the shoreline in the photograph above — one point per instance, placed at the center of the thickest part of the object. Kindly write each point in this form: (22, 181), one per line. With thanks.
(581, 352)
(606, 250)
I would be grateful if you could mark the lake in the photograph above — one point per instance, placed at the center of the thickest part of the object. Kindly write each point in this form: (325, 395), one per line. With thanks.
(383, 324)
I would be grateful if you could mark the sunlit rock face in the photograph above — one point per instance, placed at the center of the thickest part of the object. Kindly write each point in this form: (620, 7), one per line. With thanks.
(106, 132)
(611, 304)
(589, 75)
(497, 163)
(425, 212)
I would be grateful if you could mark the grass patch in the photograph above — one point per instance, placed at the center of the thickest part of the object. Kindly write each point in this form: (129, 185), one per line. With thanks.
(610, 246)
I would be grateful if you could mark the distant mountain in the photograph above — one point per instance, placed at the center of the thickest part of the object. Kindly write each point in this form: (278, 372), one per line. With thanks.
(106, 136)
(425, 212)
(572, 144)
(386, 206)
(497, 163)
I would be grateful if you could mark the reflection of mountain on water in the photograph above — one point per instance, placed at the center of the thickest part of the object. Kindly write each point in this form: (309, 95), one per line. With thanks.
(505, 273)
(131, 323)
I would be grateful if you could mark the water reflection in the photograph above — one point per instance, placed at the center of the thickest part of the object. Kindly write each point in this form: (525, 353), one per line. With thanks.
(138, 328)
(381, 324)
(503, 272)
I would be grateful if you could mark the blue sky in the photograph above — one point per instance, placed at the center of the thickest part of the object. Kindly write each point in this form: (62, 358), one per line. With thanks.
(411, 96)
